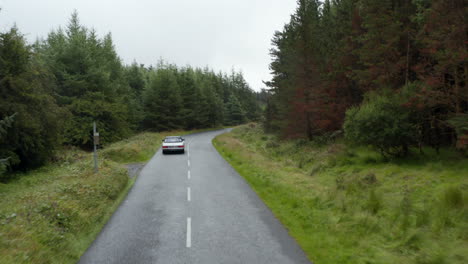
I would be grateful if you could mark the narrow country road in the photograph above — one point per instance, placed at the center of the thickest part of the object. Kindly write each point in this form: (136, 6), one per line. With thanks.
(193, 208)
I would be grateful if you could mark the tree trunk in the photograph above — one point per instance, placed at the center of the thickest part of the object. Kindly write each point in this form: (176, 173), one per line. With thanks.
(407, 58)
(456, 91)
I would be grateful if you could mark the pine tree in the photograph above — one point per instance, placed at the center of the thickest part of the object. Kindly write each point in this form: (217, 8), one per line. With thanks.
(213, 106)
(443, 41)
(90, 83)
(25, 89)
(4, 125)
(162, 101)
(442, 69)
(234, 113)
(191, 100)
(379, 54)
(135, 77)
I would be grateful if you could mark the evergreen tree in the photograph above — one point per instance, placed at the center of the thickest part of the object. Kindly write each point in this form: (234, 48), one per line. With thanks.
(244, 94)
(201, 95)
(90, 83)
(442, 69)
(234, 113)
(331, 53)
(25, 89)
(135, 76)
(162, 101)
(191, 99)
(379, 55)
(59, 86)
(212, 105)
(4, 125)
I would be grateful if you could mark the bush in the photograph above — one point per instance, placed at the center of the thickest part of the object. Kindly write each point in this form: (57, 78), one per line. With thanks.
(374, 203)
(452, 197)
(382, 122)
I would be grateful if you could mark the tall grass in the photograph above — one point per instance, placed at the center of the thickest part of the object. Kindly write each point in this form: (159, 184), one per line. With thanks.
(52, 214)
(139, 148)
(349, 205)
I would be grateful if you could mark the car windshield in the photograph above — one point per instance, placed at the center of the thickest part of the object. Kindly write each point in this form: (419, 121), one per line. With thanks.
(171, 140)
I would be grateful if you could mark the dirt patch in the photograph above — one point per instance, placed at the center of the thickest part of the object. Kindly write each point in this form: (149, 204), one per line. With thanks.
(134, 169)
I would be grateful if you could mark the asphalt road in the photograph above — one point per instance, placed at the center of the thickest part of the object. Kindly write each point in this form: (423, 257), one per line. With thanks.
(193, 208)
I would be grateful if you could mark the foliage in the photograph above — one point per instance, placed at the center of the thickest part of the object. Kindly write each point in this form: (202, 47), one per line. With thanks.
(60, 85)
(135, 76)
(234, 114)
(162, 101)
(331, 53)
(195, 98)
(90, 83)
(4, 124)
(382, 122)
(460, 123)
(26, 89)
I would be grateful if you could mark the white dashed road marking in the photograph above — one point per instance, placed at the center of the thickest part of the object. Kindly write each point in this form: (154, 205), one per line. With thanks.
(189, 232)
(189, 198)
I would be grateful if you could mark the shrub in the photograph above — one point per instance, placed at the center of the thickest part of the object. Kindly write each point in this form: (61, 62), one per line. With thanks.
(382, 122)
(460, 123)
(452, 197)
(374, 203)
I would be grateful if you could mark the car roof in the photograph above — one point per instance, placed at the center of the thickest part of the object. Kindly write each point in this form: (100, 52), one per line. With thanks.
(173, 137)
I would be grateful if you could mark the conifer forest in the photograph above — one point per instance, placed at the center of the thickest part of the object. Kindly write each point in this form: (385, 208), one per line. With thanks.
(54, 89)
(386, 73)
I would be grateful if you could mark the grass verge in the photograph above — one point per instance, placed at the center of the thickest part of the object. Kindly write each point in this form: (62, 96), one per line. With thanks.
(52, 214)
(347, 205)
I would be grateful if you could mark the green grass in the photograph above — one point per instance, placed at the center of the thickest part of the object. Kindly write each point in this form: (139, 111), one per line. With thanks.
(141, 148)
(349, 205)
(52, 214)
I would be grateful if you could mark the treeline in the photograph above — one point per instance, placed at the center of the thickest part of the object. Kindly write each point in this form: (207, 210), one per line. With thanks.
(393, 72)
(53, 90)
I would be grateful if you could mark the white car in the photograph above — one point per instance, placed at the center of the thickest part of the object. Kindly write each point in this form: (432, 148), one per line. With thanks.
(173, 144)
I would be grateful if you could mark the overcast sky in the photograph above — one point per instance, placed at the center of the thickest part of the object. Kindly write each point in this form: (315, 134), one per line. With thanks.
(221, 34)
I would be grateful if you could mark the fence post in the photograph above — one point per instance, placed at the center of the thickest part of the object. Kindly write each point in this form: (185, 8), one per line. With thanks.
(95, 142)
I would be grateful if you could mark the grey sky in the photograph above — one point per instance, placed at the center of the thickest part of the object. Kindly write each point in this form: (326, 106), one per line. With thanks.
(221, 34)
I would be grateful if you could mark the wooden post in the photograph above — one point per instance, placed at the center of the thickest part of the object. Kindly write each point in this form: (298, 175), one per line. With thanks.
(95, 142)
